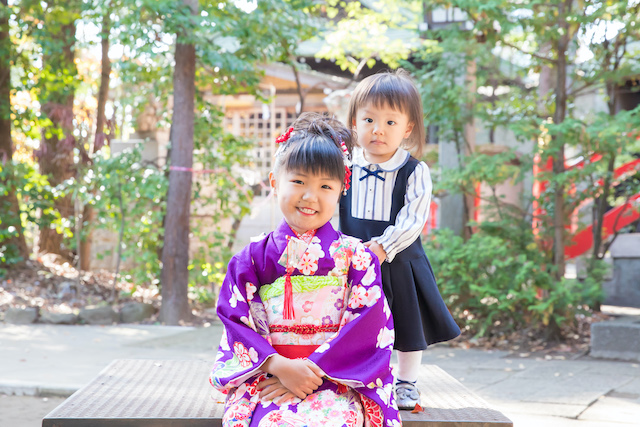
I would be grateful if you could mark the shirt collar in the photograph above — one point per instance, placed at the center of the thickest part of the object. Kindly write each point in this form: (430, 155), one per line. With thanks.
(394, 163)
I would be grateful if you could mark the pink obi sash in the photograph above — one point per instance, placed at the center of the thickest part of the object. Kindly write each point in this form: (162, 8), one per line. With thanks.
(292, 351)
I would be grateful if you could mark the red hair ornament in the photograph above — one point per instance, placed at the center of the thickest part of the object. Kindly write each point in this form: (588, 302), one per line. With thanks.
(285, 136)
(347, 167)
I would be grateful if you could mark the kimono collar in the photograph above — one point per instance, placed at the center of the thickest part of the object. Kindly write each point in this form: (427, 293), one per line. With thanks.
(394, 163)
(285, 239)
(307, 236)
(283, 230)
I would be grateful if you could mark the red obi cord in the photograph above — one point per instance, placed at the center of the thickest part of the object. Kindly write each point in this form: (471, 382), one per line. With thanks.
(288, 311)
(304, 329)
(295, 351)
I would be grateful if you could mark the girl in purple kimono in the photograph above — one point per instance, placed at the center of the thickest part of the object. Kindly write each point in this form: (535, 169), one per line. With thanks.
(308, 334)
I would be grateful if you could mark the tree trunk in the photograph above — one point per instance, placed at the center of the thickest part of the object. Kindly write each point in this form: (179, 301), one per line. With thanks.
(9, 208)
(545, 86)
(55, 155)
(600, 207)
(298, 88)
(175, 254)
(612, 62)
(469, 133)
(558, 161)
(103, 92)
(88, 214)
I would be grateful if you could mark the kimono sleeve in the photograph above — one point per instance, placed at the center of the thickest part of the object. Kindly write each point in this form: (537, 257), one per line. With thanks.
(359, 354)
(244, 346)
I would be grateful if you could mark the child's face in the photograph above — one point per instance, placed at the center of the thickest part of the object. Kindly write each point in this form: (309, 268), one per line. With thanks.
(380, 131)
(307, 201)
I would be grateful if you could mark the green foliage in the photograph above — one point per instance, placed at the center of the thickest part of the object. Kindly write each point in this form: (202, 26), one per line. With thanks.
(500, 68)
(58, 76)
(229, 43)
(127, 196)
(494, 283)
(220, 199)
(36, 205)
(491, 170)
(361, 36)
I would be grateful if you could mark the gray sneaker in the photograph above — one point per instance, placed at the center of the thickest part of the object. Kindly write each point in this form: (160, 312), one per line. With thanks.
(407, 395)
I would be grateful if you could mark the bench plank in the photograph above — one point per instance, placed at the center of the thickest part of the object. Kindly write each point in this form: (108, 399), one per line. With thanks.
(172, 393)
(446, 402)
(143, 393)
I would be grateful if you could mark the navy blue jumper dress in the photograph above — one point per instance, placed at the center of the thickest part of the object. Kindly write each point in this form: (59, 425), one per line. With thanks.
(420, 316)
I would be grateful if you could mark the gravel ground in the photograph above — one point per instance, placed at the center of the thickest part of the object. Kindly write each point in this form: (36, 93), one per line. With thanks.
(26, 411)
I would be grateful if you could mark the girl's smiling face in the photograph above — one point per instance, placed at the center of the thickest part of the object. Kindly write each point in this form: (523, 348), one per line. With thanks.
(306, 200)
(380, 131)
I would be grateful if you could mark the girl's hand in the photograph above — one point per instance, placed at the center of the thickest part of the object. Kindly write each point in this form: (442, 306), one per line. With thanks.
(272, 389)
(377, 249)
(300, 376)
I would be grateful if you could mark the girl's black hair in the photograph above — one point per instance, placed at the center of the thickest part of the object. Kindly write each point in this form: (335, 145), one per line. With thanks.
(315, 146)
(397, 91)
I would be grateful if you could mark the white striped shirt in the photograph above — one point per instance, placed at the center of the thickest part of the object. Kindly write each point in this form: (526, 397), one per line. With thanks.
(371, 199)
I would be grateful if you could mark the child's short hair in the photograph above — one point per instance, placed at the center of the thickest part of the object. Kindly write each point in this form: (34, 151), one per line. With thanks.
(315, 146)
(397, 91)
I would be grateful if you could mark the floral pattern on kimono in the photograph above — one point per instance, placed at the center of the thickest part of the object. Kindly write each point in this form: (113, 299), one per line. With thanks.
(339, 310)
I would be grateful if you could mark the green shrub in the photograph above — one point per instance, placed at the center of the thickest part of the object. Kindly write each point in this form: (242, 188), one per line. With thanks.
(35, 205)
(492, 283)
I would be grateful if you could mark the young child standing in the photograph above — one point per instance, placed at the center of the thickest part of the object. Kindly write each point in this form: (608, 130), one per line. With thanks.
(387, 207)
(308, 336)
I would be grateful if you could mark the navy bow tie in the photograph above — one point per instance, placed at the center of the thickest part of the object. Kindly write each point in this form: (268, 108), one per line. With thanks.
(375, 173)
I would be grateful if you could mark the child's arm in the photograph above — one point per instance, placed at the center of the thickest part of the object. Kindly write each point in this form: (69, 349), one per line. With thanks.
(411, 218)
(299, 376)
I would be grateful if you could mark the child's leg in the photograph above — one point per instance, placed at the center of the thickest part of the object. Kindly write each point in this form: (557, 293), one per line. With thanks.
(407, 393)
(409, 365)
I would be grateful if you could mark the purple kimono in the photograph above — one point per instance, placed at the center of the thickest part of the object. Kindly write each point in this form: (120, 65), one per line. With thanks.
(337, 316)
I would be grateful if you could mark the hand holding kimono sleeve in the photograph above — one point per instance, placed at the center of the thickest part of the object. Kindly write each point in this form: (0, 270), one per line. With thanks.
(244, 345)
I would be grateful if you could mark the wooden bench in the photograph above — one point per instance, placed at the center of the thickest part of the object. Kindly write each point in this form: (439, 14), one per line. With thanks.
(176, 393)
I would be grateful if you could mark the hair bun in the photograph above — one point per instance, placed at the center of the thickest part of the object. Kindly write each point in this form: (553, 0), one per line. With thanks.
(312, 123)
